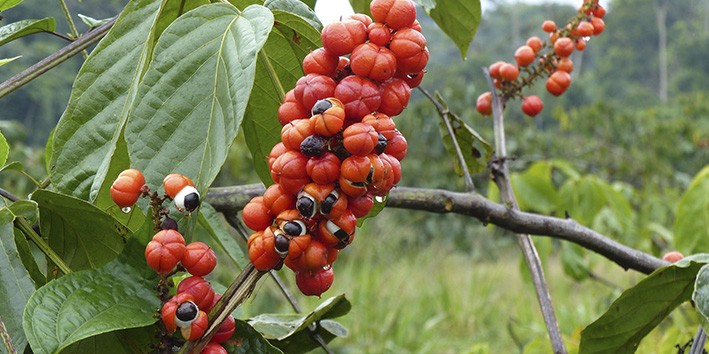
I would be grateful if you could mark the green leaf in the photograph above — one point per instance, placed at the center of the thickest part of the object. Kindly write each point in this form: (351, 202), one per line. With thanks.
(692, 223)
(80, 233)
(92, 22)
(127, 341)
(88, 303)
(379, 204)
(193, 96)
(534, 188)
(639, 309)
(25, 208)
(6, 4)
(360, 6)
(209, 220)
(277, 70)
(15, 30)
(85, 139)
(289, 332)
(13, 166)
(8, 60)
(574, 261)
(16, 285)
(459, 19)
(701, 293)
(295, 7)
(28, 260)
(246, 340)
(4, 149)
(476, 151)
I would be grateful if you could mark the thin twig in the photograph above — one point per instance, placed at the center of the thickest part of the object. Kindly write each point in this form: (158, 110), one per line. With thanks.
(501, 177)
(72, 26)
(6, 340)
(64, 37)
(445, 115)
(698, 343)
(55, 59)
(9, 196)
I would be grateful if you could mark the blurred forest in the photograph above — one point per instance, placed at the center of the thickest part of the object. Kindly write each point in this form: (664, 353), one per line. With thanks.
(616, 151)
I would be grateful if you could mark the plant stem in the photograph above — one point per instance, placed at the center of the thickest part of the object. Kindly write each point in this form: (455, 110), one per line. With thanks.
(444, 113)
(6, 340)
(272, 75)
(57, 34)
(55, 59)
(501, 177)
(24, 225)
(72, 26)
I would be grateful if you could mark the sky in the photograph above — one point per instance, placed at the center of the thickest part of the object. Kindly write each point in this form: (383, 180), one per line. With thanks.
(331, 10)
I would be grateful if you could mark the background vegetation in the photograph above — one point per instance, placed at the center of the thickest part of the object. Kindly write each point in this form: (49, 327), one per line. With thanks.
(430, 283)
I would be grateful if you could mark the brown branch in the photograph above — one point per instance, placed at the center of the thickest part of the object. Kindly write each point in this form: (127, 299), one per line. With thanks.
(233, 199)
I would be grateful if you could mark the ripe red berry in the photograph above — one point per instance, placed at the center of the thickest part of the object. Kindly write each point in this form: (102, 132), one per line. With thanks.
(213, 348)
(314, 283)
(580, 44)
(312, 88)
(509, 72)
(197, 328)
(524, 55)
(169, 310)
(599, 11)
(395, 96)
(397, 146)
(565, 64)
(277, 150)
(324, 169)
(276, 200)
(382, 123)
(328, 117)
(409, 48)
(548, 26)
(366, 20)
(360, 139)
(584, 29)
(200, 289)
(373, 61)
(484, 103)
(199, 259)
(558, 82)
(165, 250)
(532, 105)
(291, 109)
(256, 215)
(396, 14)
(320, 61)
(337, 231)
(262, 250)
(341, 37)
(413, 80)
(535, 43)
(564, 46)
(379, 34)
(294, 132)
(174, 183)
(598, 25)
(360, 206)
(289, 171)
(181, 189)
(225, 331)
(127, 187)
(359, 95)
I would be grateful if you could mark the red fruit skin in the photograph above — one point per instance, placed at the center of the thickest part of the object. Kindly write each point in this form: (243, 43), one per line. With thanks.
(524, 55)
(127, 187)
(167, 314)
(165, 250)
(548, 26)
(672, 256)
(396, 14)
(346, 221)
(289, 171)
(564, 46)
(366, 20)
(276, 200)
(293, 133)
(291, 109)
(296, 248)
(382, 123)
(320, 61)
(484, 103)
(360, 206)
(378, 176)
(395, 169)
(197, 328)
(360, 139)
(323, 169)
(225, 331)
(509, 72)
(558, 82)
(214, 348)
(355, 168)
(598, 25)
(532, 105)
(409, 48)
(315, 283)
(341, 37)
(359, 96)
(331, 121)
(262, 250)
(395, 96)
(397, 146)
(200, 289)
(199, 259)
(379, 34)
(256, 215)
(535, 43)
(277, 150)
(174, 182)
(413, 80)
(314, 257)
(313, 87)
(372, 61)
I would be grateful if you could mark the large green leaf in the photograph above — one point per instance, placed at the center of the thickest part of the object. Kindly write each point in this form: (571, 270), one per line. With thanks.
(701, 293)
(692, 223)
(127, 341)
(211, 223)
(27, 258)
(15, 30)
(277, 70)
(639, 309)
(290, 332)
(193, 96)
(360, 6)
(87, 303)
(85, 139)
(4, 149)
(83, 235)
(534, 188)
(476, 151)
(459, 19)
(6, 4)
(16, 285)
(246, 340)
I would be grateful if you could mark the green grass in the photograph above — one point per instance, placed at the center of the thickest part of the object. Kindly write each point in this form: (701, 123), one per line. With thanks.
(431, 297)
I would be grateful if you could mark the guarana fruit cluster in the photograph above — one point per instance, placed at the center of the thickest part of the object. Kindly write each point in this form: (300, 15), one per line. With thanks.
(550, 59)
(339, 146)
(167, 253)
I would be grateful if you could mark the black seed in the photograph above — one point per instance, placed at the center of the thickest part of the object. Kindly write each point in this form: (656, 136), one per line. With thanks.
(342, 235)
(306, 206)
(168, 224)
(293, 228)
(281, 244)
(381, 144)
(370, 174)
(321, 106)
(191, 201)
(187, 311)
(326, 205)
(314, 145)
